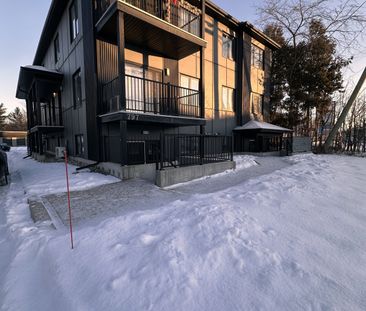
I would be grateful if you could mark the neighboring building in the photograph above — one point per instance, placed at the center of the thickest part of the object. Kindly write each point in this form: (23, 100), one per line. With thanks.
(13, 138)
(109, 77)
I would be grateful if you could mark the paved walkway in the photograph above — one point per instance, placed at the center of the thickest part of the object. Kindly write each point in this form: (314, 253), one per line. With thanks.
(122, 197)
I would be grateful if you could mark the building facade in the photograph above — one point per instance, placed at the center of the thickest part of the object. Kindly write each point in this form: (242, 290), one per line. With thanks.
(108, 74)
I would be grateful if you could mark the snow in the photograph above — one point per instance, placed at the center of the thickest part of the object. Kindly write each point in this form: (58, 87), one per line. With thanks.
(244, 161)
(289, 240)
(46, 178)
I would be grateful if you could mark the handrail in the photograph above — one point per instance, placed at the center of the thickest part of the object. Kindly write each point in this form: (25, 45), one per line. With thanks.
(146, 95)
(153, 81)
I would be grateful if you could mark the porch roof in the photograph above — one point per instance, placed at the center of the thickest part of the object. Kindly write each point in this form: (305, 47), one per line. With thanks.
(50, 80)
(262, 127)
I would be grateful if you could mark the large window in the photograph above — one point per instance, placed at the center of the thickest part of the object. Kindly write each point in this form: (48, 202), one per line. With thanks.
(257, 103)
(56, 46)
(74, 20)
(228, 98)
(257, 57)
(189, 82)
(79, 145)
(76, 87)
(227, 46)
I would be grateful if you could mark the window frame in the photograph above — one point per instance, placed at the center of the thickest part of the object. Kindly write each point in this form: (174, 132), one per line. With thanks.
(257, 57)
(57, 48)
(190, 79)
(228, 44)
(261, 97)
(227, 108)
(74, 22)
(77, 104)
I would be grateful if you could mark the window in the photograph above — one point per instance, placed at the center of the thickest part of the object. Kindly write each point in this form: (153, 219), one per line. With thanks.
(74, 20)
(189, 82)
(257, 103)
(257, 57)
(228, 98)
(56, 46)
(79, 145)
(227, 46)
(76, 87)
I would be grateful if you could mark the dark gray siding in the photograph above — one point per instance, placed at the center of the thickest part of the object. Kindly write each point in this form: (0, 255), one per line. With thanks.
(72, 58)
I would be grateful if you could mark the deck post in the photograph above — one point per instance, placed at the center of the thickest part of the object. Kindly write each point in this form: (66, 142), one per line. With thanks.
(202, 79)
(161, 150)
(202, 62)
(122, 84)
(239, 78)
(123, 142)
(121, 59)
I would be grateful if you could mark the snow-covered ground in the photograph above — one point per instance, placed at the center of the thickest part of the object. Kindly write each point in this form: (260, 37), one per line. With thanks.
(290, 240)
(46, 178)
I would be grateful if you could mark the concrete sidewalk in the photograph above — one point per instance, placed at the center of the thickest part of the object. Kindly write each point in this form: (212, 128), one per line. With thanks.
(132, 195)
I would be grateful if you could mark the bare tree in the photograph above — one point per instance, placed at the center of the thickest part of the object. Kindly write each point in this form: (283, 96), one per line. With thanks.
(344, 20)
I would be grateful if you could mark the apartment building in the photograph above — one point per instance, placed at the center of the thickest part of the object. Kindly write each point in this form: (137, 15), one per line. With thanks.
(118, 81)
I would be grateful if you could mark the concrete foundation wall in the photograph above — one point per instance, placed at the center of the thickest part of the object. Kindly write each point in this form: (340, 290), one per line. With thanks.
(174, 176)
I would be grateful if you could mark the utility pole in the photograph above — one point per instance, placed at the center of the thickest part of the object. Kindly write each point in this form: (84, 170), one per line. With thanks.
(344, 113)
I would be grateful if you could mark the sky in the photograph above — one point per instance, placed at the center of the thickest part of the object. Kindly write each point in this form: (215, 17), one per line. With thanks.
(21, 23)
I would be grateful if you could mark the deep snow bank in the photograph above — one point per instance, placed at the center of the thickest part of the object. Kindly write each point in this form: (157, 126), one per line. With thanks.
(291, 240)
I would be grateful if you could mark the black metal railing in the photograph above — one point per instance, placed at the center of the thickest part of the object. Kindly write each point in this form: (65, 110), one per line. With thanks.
(171, 150)
(176, 14)
(189, 150)
(148, 96)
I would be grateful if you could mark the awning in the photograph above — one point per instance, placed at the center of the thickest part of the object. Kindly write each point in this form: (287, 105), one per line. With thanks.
(49, 81)
(262, 127)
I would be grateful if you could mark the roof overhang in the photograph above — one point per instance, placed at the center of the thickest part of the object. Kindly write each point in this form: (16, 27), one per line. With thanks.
(260, 36)
(261, 127)
(147, 31)
(44, 129)
(49, 81)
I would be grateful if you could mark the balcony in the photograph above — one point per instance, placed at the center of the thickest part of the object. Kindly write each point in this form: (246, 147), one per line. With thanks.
(147, 99)
(187, 16)
(173, 32)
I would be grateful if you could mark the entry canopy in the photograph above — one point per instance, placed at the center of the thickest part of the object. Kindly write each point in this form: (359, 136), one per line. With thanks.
(256, 126)
(48, 81)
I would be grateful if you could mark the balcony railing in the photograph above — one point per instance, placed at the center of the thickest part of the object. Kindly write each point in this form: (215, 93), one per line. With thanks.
(148, 96)
(184, 16)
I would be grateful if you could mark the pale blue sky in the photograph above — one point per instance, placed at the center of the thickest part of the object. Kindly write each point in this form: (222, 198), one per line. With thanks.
(21, 23)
